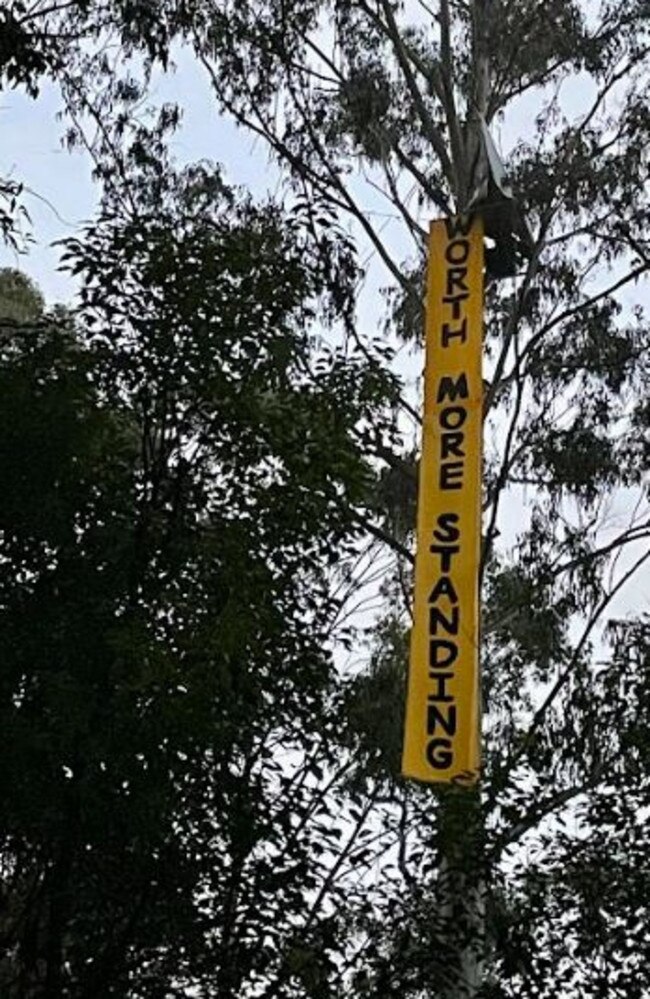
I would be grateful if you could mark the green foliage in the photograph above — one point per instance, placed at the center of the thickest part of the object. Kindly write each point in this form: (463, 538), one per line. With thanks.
(377, 732)
(214, 481)
(24, 53)
(20, 299)
(182, 472)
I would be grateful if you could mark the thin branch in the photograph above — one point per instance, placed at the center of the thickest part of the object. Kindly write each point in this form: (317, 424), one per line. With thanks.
(626, 538)
(516, 313)
(433, 193)
(53, 9)
(391, 30)
(577, 309)
(324, 185)
(342, 857)
(445, 87)
(274, 985)
(316, 49)
(384, 536)
(123, 193)
(567, 673)
(541, 810)
(505, 466)
(344, 193)
(394, 198)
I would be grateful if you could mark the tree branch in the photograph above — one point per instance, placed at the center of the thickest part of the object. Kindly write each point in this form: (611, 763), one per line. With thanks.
(566, 673)
(391, 31)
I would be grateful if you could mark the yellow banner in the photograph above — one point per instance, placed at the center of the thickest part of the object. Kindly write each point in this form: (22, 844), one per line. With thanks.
(441, 739)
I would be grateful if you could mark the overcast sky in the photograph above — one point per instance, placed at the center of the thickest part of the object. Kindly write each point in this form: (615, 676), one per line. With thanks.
(61, 194)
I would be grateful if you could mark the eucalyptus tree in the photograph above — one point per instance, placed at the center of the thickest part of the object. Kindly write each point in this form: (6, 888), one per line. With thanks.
(374, 108)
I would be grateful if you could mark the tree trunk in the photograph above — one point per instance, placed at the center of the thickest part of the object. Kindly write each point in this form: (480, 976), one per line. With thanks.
(462, 876)
(462, 891)
(478, 100)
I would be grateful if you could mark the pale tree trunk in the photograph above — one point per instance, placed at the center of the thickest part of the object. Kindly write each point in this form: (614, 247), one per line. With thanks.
(462, 880)
(462, 891)
(478, 99)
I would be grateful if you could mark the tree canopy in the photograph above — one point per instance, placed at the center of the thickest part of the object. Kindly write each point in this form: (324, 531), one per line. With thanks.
(211, 465)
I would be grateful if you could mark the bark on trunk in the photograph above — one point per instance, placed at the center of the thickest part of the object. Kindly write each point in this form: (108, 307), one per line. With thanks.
(462, 890)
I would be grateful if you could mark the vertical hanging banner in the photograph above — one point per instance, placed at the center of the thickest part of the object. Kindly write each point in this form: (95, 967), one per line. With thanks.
(441, 739)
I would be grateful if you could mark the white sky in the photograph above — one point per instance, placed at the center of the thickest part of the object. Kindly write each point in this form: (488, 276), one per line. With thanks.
(61, 193)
